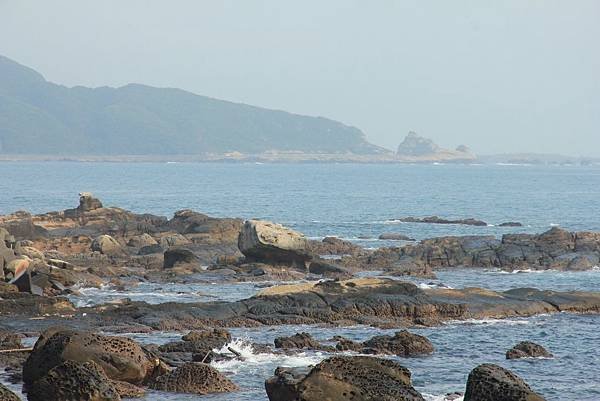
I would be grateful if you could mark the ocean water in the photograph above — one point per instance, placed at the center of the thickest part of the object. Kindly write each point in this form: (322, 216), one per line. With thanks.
(356, 201)
(346, 200)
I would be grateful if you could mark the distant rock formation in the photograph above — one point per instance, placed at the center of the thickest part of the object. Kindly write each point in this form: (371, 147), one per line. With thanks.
(419, 149)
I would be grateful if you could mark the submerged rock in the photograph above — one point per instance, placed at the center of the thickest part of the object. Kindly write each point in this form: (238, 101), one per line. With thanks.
(489, 382)
(343, 378)
(438, 220)
(73, 380)
(402, 343)
(395, 237)
(194, 378)
(527, 349)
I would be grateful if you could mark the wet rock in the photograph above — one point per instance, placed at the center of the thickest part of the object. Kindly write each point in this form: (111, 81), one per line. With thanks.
(395, 237)
(119, 357)
(9, 340)
(343, 378)
(194, 378)
(7, 395)
(179, 256)
(199, 342)
(297, 341)
(439, 220)
(510, 224)
(402, 343)
(72, 380)
(527, 349)
(491, 382)
(127, 390)
(268, 242)
(106, 245)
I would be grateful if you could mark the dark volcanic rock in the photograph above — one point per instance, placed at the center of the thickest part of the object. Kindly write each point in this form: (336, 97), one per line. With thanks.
(343, 378)
(491, 382)
(395, 237)
(194, 378)
(177, 256)
(119, 357)
(527, 349)
(403, 343)
(554, 249)
(74, 381)
(297, 341)
(439, 220)
(510, 224)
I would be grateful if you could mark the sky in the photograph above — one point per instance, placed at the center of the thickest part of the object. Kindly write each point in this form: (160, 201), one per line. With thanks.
(510, 76)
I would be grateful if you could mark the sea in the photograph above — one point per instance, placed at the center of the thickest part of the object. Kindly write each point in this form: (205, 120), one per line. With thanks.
(358, 202)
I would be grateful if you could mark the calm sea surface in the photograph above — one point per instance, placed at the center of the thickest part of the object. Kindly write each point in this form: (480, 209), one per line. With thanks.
(357, 201)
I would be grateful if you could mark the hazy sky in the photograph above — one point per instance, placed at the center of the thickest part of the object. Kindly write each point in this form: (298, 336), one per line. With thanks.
(505, 76)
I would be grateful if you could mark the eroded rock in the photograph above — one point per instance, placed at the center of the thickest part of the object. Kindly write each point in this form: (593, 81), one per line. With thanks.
(491, 382)
(194, 378)
(342, 378)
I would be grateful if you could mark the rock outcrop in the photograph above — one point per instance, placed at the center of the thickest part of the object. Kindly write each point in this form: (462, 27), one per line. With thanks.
(297, 341)
(527, 349)
(120, 358)
(553, 249)
(342, 378)
(268, 242)
(194, 378)
(402, 343)
(415, 148)
(491, 382)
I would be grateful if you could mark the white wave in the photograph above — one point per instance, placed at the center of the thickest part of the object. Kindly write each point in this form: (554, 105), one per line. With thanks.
(432, 397)
(427, 286)
(393, 221)
(489, 322)
(248, 357)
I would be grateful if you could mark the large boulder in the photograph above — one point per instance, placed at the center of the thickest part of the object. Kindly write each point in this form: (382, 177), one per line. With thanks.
(527, 349)
(490, 382)
(194, 378)
(106, 245)
(74, 381)
(402, 343)
(205, 229)
(120, 358)
(342, 378)
(140, 241)
(20, 224)
(268, 242)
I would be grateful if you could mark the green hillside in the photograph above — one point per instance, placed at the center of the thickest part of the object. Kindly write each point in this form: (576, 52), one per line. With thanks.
(40, 117)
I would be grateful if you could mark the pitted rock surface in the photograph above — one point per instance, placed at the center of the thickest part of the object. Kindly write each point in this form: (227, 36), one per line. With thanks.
(527, 349)
(490, 382)
(7, 395)
(74, 381)
(120, 358)
(402, 343)
(194, 378)
(344, 378)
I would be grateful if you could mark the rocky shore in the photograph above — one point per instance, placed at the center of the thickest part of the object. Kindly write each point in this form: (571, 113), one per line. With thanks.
(46, 259)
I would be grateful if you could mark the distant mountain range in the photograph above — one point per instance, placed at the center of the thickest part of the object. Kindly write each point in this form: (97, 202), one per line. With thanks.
(38, 117)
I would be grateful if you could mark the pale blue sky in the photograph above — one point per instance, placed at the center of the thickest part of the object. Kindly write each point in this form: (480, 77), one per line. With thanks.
(516, 75)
